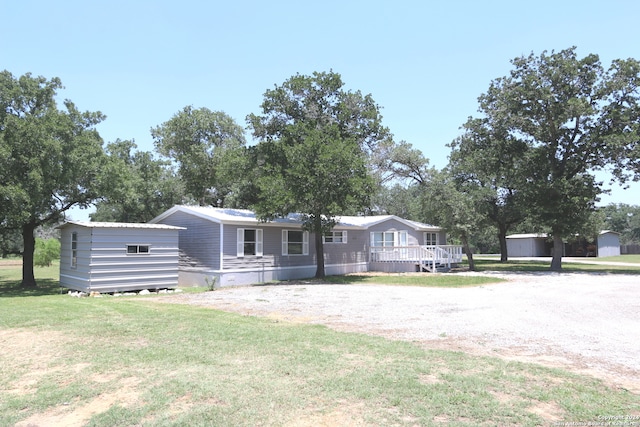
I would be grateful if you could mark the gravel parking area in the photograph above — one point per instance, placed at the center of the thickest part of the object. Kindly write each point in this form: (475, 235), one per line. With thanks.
(588, 323)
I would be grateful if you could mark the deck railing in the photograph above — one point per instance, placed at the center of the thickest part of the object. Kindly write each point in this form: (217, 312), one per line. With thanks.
(426, 256)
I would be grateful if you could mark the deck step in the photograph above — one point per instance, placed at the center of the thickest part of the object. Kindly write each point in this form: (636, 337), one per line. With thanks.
(427, 267)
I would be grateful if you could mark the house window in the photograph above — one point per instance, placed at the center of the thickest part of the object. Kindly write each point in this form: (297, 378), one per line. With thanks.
(295, 242)
(74, 249)
(138, 249)
(387, 240)
(335, 237)
(249, 242)
(430, 239)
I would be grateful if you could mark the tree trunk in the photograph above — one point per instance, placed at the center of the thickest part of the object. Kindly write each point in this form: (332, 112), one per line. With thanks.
(29, 244)
(502, 237)
(469, 252)
(319, 251)
(558, 249)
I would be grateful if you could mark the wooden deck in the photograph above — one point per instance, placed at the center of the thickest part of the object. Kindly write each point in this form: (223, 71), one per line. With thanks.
(426, 258)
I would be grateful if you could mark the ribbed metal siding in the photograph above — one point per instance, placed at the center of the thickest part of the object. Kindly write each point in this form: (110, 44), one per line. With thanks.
(104, 265)
(113, 269)
(78, 277)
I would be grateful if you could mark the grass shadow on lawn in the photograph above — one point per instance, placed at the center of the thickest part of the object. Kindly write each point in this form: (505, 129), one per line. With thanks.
(542, 266)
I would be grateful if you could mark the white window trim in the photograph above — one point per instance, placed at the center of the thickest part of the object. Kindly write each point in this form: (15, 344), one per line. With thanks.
(400, 238)
(240, 242)
(424, 237)
(342, 233)
(403, 238)
(285, 243)
(138, 246)
(74, 249)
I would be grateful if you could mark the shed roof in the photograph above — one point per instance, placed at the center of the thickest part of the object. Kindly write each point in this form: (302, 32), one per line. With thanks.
(244, 216)
(544, 235)
(528, 236)
(608, 232)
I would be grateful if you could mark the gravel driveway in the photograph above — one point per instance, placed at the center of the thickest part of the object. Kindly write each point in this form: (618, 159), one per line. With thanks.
(586, 322)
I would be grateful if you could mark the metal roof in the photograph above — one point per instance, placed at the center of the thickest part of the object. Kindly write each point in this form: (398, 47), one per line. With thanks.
(91, 224)
(244, 216)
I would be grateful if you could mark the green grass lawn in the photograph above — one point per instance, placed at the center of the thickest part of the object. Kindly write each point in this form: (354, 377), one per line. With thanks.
(114, 361)
(621, 258)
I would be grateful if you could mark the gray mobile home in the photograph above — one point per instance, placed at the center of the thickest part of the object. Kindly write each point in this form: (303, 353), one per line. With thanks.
(235, 248)
(117, 257)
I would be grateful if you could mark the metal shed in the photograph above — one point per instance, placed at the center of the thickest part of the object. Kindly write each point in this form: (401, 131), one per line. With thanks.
(117, 257)
(528, 245)
(608, 243)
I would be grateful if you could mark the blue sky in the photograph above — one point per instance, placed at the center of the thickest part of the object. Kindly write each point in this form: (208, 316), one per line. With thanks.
(424, 62)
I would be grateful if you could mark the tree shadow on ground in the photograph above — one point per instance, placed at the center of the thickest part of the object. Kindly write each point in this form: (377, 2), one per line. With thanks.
(12, 288)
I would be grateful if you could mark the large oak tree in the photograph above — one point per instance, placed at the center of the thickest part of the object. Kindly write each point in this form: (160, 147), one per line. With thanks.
(492, 160)
(51, 159)
(316, 143)
(574, 118)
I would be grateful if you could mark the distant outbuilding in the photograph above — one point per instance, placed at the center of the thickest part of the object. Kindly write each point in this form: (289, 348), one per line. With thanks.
(535, 245)
(608, 243)
(528, 245)
(118, 257)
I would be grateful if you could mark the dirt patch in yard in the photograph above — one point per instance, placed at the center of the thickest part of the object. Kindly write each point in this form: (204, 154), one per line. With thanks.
(26, 359)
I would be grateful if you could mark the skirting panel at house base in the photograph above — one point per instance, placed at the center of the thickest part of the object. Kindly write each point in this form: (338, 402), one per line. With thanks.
(394, 266)
(242, 277)
(115, 285)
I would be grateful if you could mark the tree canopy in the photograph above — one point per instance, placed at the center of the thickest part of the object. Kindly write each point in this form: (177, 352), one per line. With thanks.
(51, 159)
(623, 218)
(316, 142)
(208, 148)
(148, 187)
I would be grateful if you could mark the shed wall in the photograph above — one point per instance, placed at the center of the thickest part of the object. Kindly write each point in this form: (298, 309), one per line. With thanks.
(105, 266)
(521, 247)
(608, 245)
(78, 277)
(527, 247)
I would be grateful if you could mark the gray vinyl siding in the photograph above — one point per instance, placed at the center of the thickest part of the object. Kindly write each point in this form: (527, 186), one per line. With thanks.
(442, 238)
(354, 251)
(414, 237)
(200, 240)
(272, 250)
(230, 259)
(103, 264)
